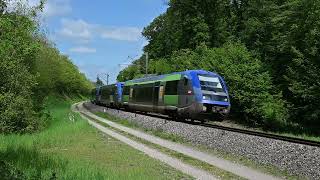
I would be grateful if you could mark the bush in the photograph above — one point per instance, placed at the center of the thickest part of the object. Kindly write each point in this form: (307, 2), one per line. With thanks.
(17, 48)
(30, 69)
(57, 74)
(9, 172)
(250, 87)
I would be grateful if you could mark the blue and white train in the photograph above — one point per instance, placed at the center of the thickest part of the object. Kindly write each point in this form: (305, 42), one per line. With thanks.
(192, 94)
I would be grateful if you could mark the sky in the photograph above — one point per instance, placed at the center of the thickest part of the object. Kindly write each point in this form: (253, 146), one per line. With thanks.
(99, 36)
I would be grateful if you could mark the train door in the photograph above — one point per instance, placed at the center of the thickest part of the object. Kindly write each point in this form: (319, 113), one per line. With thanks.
(156, 88)
(161, 94)
(184, 92)
(99, 95)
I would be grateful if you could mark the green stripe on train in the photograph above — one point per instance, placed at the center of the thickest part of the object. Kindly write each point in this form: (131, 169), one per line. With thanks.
(172, 77)
(125, 98)
(171, 99)
(166, 78)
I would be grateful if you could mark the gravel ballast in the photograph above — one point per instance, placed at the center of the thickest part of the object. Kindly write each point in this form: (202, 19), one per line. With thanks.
(296, 159)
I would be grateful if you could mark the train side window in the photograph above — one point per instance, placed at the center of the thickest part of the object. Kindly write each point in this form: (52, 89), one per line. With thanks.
(171, 88)
(185, 81)
(131, 92)
(143, 93)
(126, 90)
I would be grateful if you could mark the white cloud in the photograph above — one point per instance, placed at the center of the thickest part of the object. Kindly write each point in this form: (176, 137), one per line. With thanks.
(121, 33)
(55, 7)
(21, 5)
(82, 49)
(33, 3)
(144, 43)
(51, 7)
(82, 32)
(76, 29)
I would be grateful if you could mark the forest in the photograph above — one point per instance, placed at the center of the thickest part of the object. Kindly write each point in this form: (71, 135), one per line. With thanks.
(267, 51)
(31, 69)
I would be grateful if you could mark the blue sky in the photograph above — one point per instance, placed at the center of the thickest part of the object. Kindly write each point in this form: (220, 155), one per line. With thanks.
(98, 35)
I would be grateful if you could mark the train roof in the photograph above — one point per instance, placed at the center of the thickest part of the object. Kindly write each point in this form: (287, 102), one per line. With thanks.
(110, 85)
(168, 77)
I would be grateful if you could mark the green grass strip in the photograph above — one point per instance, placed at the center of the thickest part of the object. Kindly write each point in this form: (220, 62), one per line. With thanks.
(175, 138)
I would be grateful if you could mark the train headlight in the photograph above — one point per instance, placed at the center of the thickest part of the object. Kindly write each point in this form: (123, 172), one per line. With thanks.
(204, 108)
(225, 99)
(206, 97)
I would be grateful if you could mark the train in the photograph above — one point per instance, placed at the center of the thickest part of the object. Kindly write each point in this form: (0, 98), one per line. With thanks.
(190, 94)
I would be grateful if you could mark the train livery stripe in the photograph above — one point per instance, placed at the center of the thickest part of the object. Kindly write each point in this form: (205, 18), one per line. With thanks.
(125, 98)
(171, 99)
(165, 78)
(172, 77)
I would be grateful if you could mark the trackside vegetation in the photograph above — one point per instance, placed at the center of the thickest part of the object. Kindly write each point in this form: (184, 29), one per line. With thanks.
(267, 51)
(71, 149)
(176, 138)
(30, 69)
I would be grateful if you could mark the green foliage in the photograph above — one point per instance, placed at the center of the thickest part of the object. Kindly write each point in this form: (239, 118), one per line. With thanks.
(276, 78)
(30, 69)
(74, 150)
(187, 24)
(99, 82)
(301, 76)
(304, 86)
(57, 74)
(130, 72)
(9, 172)
(250, 87)
(17, 49)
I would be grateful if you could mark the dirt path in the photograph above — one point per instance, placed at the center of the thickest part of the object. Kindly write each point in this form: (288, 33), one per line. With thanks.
(237, 169)
(174, 162)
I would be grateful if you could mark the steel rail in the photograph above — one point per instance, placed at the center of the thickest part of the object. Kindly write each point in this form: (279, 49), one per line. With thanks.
(237, 130)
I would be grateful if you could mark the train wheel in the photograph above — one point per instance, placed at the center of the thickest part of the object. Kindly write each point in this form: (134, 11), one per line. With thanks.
(174, 118)
(221, 117)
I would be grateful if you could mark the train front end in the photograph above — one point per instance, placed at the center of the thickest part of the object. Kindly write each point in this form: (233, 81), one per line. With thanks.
(211, 93)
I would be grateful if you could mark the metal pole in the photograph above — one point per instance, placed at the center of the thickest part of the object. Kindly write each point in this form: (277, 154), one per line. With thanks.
(147, 62)
(108, 79)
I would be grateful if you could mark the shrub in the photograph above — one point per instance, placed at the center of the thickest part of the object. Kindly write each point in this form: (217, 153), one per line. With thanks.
(17, 48)
(7, 171)
(250, 87)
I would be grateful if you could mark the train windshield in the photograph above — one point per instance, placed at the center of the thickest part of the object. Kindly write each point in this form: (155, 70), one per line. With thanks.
(210, 83)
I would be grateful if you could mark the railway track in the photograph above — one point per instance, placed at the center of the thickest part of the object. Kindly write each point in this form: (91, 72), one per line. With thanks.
(267, 135)
(238, 130)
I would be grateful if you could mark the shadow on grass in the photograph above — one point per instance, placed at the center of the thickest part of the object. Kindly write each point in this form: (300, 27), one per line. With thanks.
(19, 162)
(8, 171)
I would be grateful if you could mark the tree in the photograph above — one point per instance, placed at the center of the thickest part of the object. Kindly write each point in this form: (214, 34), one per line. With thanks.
(3, 6)
(17, 49)
(31, 68)
(301, 44)
(99, 82)
(283, 35)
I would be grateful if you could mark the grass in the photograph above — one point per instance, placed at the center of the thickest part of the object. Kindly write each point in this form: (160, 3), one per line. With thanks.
(189, 160)
(175, 138)
(75, 150)
(157, 132)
